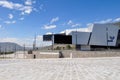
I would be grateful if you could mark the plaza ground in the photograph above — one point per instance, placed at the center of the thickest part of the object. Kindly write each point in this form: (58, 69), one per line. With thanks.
(60, 69)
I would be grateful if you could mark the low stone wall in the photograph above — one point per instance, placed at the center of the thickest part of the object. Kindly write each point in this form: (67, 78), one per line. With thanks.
(38, 55)
(83, 54)
(74, 54)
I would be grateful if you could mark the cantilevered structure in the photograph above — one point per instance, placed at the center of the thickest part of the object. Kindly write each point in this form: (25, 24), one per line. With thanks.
(95, 36)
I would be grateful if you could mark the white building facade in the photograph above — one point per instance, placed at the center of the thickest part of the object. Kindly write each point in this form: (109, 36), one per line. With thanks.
(104, 35)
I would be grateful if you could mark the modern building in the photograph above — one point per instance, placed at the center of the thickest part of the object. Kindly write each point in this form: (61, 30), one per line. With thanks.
(96, 36)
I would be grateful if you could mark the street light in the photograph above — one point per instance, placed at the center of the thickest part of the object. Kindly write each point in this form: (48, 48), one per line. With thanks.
(24, 51)
(34, 43)
(15, 54)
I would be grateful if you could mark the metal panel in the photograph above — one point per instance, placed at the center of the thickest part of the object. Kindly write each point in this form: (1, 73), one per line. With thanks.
(80, 38)
(47, 37)
(112, 34)
(104, 35)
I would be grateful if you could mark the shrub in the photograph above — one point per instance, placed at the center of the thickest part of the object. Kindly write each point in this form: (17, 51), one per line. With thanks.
(68, 47)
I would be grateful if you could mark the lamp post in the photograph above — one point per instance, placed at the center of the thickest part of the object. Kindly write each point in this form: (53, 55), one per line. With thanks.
(15, 54)
(24, 51)
(34, 43)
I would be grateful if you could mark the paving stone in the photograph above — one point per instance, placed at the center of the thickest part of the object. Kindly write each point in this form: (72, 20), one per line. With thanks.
(61, 69)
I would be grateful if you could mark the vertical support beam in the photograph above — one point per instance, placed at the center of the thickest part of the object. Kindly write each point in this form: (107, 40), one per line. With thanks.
(52, 41)
(0, 50)
(76, 38)
(107, 37)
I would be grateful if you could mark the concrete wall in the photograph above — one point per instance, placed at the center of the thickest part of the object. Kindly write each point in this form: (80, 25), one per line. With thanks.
(77, 54)
(85, 54)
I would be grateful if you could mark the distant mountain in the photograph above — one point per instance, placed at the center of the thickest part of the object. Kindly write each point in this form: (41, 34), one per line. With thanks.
(8, 46)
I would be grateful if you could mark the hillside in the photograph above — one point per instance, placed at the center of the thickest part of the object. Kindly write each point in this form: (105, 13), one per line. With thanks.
(8, 46)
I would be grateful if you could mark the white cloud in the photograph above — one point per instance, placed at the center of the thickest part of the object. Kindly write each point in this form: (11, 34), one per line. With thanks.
(6, 4)
(89, 24)
(41, 43)
(10, 22)
(13, 22)
(16, 6)
(117, 20)
(72, 24)
(69, 31)
(17, 40)
(49, 26)
(41, 7)
(39, 38)
(76, 25)
(0, 26)
(22, 18)
(10, 16)
(108, 21)
(28, 2)
(54, 20)
(10, 5)
(104, 21)
(27, 41)
(26, 10)
(49, 33)
(8, 40)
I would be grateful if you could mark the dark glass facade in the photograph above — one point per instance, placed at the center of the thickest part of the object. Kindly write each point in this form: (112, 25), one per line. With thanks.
(118, 39)
(62, 39)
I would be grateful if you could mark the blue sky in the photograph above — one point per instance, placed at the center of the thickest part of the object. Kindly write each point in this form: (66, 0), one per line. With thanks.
(20, 20)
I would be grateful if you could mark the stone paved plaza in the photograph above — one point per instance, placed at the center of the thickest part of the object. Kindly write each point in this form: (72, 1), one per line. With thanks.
(61, 69)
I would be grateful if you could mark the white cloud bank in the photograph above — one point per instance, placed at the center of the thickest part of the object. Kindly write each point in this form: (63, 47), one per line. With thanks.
(108, 21)
(49, 26)
(27, 41)
(22, 18)
(49, 33)
(72, 24)
(10, 16)
(0, 26)
(104, 21)
(28, 2)
(10, 22)
(54, 20)
(117, 20)
(25, 9)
